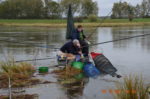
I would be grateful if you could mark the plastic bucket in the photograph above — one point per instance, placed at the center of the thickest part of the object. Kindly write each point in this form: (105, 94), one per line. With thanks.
(78, 65)
(43, 69)
(90, 70)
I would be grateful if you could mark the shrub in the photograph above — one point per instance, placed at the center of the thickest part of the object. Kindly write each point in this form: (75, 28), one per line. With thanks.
(92, 18)
(78, 19)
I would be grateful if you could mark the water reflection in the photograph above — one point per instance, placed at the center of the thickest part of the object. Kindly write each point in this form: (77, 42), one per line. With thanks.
(141, 42)
(74, 89)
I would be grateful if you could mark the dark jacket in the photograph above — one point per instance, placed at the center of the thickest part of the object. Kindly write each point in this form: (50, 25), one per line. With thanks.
(70, 48)
(76, 35)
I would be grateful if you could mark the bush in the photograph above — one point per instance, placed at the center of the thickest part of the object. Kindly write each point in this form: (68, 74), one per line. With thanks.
(78, 19)
(92, 18)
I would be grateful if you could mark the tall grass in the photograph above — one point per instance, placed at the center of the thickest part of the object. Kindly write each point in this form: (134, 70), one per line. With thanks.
(19, 73)
(11, 68)
(132, 88)
(67, 72)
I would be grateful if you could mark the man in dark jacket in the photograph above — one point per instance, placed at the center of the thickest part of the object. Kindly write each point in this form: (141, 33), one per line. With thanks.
(72, 47)
(81, 37)
(78, 34)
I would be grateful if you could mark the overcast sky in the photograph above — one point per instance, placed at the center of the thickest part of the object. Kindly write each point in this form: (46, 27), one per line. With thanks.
(105, 6)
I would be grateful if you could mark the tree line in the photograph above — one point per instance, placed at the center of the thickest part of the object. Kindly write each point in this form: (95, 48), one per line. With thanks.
(38, 9)
(49, 9)
(126, 10)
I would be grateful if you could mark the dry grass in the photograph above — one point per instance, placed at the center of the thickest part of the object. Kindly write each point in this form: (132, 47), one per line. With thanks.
(66, 75)
(66, 78)
(26, 96)
(19, 73)
(132, 88)
(67, 72)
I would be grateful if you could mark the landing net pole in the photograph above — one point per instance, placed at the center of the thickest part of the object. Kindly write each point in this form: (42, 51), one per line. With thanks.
(9, 86)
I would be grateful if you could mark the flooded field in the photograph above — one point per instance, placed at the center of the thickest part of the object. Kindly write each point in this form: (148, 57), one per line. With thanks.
(130, 56)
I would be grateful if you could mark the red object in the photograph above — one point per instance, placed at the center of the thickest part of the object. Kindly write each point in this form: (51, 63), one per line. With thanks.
(93, 54)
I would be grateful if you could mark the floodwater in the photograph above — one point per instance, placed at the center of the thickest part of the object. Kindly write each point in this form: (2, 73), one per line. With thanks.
(130, 56)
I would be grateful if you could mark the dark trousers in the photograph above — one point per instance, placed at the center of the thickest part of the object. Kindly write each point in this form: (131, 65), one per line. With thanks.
(85, 47)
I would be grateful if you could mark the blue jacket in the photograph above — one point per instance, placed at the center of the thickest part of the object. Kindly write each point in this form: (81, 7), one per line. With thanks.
(70, 48)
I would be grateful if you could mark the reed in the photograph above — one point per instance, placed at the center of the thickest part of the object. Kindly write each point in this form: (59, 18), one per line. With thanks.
(19, 73)
(67, 72)
(132, 88)
(67, 77)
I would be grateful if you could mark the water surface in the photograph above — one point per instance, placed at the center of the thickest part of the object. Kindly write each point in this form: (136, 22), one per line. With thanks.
(128, 56)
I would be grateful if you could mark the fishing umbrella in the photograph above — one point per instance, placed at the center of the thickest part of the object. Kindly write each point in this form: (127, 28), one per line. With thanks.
(70, 24)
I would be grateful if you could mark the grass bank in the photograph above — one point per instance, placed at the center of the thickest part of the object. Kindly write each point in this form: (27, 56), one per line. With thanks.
(85, 23)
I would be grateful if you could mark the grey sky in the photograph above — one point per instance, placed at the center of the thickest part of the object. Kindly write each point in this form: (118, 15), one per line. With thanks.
(105, 6)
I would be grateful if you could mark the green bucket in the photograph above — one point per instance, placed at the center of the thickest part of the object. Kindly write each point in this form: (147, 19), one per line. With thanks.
(78, 65)
(43, 69)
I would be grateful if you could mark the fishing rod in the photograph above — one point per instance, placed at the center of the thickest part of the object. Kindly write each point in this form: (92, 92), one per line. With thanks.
(9, 86)
(29, 44)
(36, 59)
(130, 37)
(102, 21)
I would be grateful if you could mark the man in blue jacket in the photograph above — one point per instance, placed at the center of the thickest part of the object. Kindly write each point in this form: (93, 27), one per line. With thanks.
(78, 34)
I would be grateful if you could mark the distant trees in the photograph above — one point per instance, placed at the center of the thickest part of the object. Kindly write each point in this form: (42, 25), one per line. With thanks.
(122, 10)
(51, 9)
(54, 10)
(83, 8)
(17, 9)
(76, 6)
(89, 8)
(125, 10)
(145, 8)
(21, 9)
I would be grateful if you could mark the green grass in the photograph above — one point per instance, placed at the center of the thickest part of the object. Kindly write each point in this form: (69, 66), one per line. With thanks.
(64, 21)
(85, 23)
(32, 21)
(126, 20)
